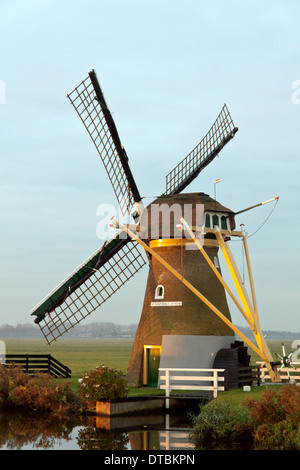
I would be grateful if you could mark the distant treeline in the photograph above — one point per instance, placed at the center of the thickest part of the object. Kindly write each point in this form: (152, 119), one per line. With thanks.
(269, 334)
(113, 330)
(91, 330)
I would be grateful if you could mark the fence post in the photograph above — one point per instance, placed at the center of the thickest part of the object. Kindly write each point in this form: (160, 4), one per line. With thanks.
(167, 388)
(262, 375)
(258, 376)
(215, 383)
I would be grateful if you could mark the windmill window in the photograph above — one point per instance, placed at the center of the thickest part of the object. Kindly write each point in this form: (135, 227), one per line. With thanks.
(207, 220)
(216, 262)
(215, 220)
(159, 292)
(223, 222)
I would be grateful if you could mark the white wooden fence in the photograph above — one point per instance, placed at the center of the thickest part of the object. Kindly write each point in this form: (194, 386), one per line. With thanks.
(180, 382)
(294, 373)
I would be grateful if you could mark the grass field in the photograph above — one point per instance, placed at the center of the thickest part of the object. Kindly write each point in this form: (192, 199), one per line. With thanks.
(81, 355)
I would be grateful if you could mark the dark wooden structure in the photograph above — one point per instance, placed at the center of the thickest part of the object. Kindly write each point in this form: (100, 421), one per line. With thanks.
(248, 376)
(236, 362)
(36, 363)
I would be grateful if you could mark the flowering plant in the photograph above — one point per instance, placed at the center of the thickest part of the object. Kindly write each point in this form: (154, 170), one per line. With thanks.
(102, 384)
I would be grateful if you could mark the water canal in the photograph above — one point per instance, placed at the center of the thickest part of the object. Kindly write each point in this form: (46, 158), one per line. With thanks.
(20, 431)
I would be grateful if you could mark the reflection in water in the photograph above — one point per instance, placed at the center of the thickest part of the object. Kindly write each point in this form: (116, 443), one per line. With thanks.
(18, 430)
(151, 432)
(91, 438)
(170, 433)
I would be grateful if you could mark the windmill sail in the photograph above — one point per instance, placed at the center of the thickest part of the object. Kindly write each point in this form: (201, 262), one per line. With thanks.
(89, 286)
(220, 133)
(89, 103)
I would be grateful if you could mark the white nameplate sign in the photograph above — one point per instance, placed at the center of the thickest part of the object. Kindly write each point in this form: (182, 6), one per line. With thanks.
(166, 304)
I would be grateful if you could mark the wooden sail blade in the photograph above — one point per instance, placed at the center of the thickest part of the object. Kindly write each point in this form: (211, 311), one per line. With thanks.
(88, 287)
(89, 102)
(220, 133)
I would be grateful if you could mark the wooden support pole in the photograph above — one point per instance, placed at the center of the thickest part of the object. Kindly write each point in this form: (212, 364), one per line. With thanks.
(250, 323)
(250, 275)
(194, 290)
(250, 311)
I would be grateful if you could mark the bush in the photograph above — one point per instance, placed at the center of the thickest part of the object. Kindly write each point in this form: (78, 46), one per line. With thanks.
(38, 393)
(10, 378)
(276, 418)
(220, 422)
(271, 422)
(102, 384)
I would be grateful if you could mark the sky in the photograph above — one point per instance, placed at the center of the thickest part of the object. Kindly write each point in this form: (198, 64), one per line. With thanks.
(166, 68)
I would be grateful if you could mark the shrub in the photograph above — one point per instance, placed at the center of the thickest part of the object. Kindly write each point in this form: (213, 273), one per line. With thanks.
(10, 377)
(271, 422)
(280, 436)
(220, 422)
(39, 393)
(102, 383)
(276, 418)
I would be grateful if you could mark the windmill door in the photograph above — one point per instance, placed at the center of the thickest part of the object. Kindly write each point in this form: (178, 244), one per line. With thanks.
(152, 360)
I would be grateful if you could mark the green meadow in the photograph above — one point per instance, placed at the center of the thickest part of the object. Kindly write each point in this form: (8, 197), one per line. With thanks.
(81, 355)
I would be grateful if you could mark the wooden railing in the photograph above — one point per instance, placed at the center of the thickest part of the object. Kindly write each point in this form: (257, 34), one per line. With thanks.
(294, 373)
(248, 375)
(187, 382)
(33, 363)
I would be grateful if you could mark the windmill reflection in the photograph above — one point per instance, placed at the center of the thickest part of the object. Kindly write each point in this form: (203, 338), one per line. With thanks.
(47, 431)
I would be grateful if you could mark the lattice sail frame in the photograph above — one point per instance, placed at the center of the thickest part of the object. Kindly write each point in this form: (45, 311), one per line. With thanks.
(89, 103)
(219, 134)
(92, 293)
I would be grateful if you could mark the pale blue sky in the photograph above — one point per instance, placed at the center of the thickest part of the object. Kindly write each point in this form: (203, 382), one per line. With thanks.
(166, 68)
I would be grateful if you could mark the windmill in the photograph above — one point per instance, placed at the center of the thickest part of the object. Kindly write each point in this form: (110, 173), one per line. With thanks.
(179, 301)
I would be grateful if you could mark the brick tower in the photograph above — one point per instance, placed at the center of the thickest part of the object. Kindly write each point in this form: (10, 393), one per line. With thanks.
(170, 308)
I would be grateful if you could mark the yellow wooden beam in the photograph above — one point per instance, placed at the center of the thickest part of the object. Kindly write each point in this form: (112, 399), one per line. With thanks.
(234, 272)
(263, 350)
(252, 317)
(207, 258)
(250, 275)
(193, 289)
(249, 310)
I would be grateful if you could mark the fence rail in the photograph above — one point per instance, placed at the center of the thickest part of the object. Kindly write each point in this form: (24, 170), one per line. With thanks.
(248, 375)
(33, 363)
(264, 374)
(179, 382)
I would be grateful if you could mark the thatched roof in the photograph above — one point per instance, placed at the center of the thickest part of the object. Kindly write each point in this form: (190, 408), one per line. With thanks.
(187, 203)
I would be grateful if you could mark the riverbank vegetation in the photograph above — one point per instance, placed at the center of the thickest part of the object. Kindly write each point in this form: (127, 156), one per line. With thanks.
(102, 384)
(271, 421)
(40, 392)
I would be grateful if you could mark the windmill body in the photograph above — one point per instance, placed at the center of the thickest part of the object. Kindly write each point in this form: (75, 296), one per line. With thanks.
(178, 304)
(170, 309)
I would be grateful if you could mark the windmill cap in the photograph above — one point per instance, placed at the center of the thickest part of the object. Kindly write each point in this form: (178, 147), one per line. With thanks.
(209, 203)
(161, 218)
